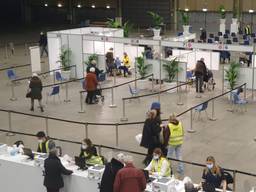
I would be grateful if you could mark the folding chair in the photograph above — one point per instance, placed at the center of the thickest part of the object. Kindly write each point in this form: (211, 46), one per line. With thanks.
(55, 91)
(133, 91)
(59, 77)
(11, 74)
(201, 108)
(238, 103)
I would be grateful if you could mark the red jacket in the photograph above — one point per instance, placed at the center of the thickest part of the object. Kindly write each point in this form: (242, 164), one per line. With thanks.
(130, 179)
(91, 82)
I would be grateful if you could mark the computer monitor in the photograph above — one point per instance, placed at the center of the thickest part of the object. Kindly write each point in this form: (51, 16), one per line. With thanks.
(80, 162)
(216, 38)
(219, 33)
(211, 35)
(229, 41)
(235, 39)
(28, 152)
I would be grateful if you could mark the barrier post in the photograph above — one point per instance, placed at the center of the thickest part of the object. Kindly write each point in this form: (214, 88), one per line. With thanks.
(81, 103)
(198, 94)
(25, 50)
(86, 130)
(234, 181)
(213, 118)
(46, 126)
(152, 83)
(67, 99)
(179, 96)
(124, 118)
(223, 80)
(117, 135)
(6, 51)
(191, 130)
(99, 149)
(245, 91)
(10, 125)
(113, 105)
(13, 98)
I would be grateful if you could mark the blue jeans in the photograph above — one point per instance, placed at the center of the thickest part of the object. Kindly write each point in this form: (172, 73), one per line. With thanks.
(177, 150)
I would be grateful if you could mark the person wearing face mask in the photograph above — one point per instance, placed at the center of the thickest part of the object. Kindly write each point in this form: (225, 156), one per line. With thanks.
(214, 174)
(159, 166)
(43, 142)
(87, 148)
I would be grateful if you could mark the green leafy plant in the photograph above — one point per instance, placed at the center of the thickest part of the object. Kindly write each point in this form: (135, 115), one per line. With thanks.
(185, 18)
(91, 58)
(127, 27)
(112, 23)
(222, 11)
(158, 21)
(231, 74)
(142, 66)
(172, 68)
(64, 58)
(235, 13)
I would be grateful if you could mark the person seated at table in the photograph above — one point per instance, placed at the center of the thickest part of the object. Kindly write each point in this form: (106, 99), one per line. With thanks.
(239, 100)
(54, 169)
(118, 64)
(43, 142)
(214, 174)
(87, 148)
(126, 64)
(159, 166)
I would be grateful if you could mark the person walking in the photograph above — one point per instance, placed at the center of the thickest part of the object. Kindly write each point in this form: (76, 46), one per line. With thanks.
(129, 178)
(93, 64)
(111, 169)
(35, 92)
(150, 135)
(110, 61)
(91, 85)
(54, 169)
(176, 136)
(200, 72)
(43, 44)
(126, 64)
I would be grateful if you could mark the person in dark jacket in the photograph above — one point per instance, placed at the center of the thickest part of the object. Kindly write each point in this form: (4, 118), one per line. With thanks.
(93, 64)
(87, 148)
(43, 142)
(110, 172)
(203, 35)
(110, 61)
(150, 135)
(43, 44)
(200, 72)
(36, 88)
(91, 85)
(53, 180)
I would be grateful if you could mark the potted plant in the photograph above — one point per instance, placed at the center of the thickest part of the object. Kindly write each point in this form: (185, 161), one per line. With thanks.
(222, 13)
(158, 21)
(64, 60)
(185, 22)
(127, 27)
(142, 68)
(235, 15)
(112, 23)
(172, 69)
(231, 74)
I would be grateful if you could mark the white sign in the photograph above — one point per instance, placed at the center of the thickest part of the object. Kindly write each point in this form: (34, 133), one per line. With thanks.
(35, 59)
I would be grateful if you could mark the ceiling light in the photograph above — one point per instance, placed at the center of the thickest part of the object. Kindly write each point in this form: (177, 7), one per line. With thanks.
(59, 5)
(93, 6)
(204, 9)
(108, 6)
(251, 11)
(79, 6)
(46, 5)
(187, 9)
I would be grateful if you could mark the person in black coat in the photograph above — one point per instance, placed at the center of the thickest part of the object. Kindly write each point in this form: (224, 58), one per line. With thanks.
(87, 149)
(110, 172)
(93, 64)
(53, 180)
(43, 44)
(150, 135)
(35, 93)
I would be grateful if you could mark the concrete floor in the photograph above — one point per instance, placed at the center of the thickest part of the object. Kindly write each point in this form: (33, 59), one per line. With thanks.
(229, 138)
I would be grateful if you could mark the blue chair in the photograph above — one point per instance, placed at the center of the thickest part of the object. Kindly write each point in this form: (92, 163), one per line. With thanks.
(102, 77)
(228, 41)
(225, 36)
(11, 74)
(55, 91)
(180, 34)
(209, 41)
(201, 108)
(233, 34)
(133, 91)
(59, 77)
(246, 42)
(216, 38)
(244, 37)
(237, 102)
(235, 40)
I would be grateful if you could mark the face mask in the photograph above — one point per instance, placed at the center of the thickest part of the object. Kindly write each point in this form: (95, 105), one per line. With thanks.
(83, 146)
(156, 157)
(209, 166)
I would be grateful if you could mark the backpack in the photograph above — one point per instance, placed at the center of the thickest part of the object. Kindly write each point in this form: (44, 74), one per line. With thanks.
(228, 177)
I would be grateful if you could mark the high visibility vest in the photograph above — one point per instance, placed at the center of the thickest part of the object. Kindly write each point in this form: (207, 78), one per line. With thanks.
(126, 61)
(159, 166)
(177, 133)
(94, 160)
(46, 146)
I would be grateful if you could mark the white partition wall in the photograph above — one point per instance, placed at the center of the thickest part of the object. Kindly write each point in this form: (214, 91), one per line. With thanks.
(54, 49)
(35, 59)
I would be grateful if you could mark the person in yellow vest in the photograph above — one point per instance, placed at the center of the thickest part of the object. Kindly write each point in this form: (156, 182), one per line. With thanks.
(176, 135)
(126, 64)
(159, 165)
(43, 142)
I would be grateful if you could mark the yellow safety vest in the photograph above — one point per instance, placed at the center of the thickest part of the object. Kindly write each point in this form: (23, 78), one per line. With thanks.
(159, 166)
(46, 146)
(177, 133)
(94, 160)
(126, 61)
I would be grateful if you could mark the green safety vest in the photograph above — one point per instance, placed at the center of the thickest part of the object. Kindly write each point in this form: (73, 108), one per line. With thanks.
(94, 160)
(159, 166)
(46, 146)
(176, 131)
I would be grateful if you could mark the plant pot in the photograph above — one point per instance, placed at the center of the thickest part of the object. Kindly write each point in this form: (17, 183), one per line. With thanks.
(234, 20)
(157, 33)
(222, 21)
(66, 74)
(186, 29)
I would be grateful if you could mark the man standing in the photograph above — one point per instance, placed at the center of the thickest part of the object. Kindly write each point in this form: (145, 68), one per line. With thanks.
(129, 179)
(110, 61)
(43, 44)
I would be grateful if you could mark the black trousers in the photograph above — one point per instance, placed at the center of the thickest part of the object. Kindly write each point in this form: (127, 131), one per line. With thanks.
(199, 84)
(52, 190)
(89, 97)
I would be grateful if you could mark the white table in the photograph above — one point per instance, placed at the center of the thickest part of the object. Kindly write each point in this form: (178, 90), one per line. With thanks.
(17, 174)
